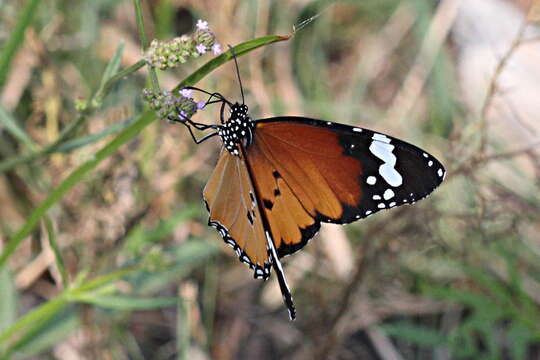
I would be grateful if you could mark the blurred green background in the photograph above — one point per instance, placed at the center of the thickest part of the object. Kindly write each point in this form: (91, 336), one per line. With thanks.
(105, 249)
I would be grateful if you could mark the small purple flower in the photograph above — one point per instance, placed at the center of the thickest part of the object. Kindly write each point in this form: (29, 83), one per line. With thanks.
(187, 93)
(183, 115)
(202, 25)
(200, 105)
(216, 48)
(201, 49)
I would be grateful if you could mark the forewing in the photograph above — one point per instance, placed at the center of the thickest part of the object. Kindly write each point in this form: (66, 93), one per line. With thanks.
(309, 171)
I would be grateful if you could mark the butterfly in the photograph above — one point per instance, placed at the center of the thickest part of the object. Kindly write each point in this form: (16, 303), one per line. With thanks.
(277, 179)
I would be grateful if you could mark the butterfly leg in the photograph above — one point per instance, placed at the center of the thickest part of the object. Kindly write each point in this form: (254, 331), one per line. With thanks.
(199, 126)
(185, 120)
(198, 141)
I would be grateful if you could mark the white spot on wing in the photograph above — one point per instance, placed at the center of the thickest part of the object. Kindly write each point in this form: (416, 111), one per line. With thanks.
(381, 137)
(357, 130)
(440, 172)
(382, 149)
(388, 194)
(371, 180)
(376, 197)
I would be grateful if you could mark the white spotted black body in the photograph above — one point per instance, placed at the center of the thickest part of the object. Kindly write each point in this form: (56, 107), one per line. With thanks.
(237, 129)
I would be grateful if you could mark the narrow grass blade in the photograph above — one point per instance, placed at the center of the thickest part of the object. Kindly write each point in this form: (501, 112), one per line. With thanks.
(125, 303)
(13, 127)
(16, 38)
(90, 139)
(239, 50)
(33, 319)
(43, 337)
(416, 334)
(110, 71)
(8, 300)
(56, 250)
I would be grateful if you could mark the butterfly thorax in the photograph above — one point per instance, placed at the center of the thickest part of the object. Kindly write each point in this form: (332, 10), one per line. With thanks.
(238, 129)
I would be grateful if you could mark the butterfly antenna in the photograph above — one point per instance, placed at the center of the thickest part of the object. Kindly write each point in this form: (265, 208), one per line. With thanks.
(237, 73)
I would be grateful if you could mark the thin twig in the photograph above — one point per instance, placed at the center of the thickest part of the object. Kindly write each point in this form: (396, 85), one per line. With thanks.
(383, 345)
(482, 160)
(492, 89)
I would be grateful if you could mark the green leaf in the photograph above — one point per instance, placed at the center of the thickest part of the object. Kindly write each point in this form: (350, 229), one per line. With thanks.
(90, 139)
(110, 71)
(415, 334)
(490, 283)
(140, 237)
(9, 49)
(13, 127)
(41, 338)
(125, 303)
(56, 250)
(186, 257)
(114, 64)
(33, 319)
(456, 295)
(239, 50)
(520, 340)
(8, 300)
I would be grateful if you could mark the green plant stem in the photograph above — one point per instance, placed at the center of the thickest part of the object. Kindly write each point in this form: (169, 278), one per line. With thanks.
(144, 42)
(17, 38)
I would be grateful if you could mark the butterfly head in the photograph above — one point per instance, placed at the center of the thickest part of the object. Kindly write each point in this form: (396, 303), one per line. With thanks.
(238, 129)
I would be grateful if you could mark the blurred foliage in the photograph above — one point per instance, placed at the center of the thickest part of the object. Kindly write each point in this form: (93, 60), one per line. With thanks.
(105, 248)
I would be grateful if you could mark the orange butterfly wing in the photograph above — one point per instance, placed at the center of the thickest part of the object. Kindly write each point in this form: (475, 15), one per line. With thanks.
(300, 182)
(308, 171)
(232, 204)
